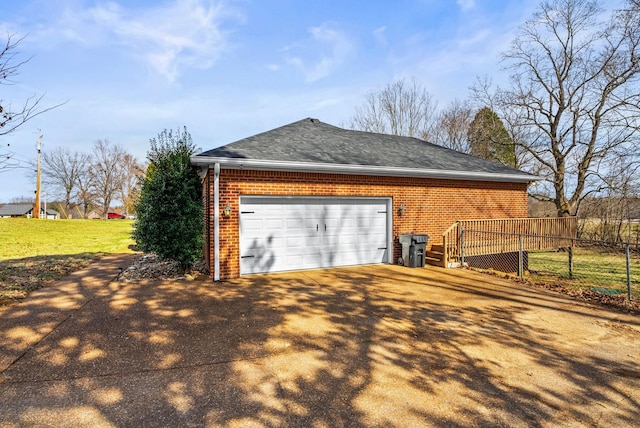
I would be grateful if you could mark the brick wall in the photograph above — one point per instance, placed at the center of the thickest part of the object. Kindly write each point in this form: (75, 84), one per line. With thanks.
(432, 205)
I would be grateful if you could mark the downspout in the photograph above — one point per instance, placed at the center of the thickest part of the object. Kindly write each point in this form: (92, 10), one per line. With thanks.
(216, 222)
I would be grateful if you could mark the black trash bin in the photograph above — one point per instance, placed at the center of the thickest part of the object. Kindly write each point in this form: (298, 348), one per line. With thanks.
(414, 248)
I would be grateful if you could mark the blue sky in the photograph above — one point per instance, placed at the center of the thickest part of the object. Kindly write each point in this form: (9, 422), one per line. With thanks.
(126, 70)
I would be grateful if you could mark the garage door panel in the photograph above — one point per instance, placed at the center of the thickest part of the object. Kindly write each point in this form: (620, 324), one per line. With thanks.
(346, 240)
(379, 221)
(275, 241)
(274, 209)
(364, 223)
(294, 223)
(348, 223)
(378, 239)
(294, 260)
(274, 223)
(257, 258)
(333, 223)
(278, 234)
(294, 242)
(312, 241)
(253, 225)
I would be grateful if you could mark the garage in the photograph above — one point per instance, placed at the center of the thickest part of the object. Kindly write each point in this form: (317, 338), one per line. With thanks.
(312, 195)
(281, 234)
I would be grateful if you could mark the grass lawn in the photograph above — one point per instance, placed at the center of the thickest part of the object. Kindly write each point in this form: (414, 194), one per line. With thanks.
(591, 269)
(36, 252)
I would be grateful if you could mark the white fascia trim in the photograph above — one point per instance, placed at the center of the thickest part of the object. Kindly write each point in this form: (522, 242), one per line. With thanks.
(326, 168)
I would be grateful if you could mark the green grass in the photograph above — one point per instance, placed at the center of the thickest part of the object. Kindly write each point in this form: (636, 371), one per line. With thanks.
(591, 269)
(23, 237)
(34, 253)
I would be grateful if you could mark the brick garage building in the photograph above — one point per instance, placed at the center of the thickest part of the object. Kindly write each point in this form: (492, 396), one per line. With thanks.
(309, 195)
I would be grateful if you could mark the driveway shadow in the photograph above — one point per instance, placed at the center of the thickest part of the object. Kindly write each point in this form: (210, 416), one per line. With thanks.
(365, 346)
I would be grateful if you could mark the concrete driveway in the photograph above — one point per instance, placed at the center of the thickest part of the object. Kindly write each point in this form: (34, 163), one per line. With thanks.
(364, 346)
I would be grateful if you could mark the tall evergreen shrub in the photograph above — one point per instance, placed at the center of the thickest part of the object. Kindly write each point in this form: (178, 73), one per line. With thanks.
(170, 219)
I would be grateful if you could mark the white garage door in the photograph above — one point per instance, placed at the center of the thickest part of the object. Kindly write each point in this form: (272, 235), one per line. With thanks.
(280, 234)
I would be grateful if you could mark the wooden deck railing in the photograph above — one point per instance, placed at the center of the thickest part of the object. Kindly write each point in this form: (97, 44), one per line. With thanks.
(493, 236)
(451, 244)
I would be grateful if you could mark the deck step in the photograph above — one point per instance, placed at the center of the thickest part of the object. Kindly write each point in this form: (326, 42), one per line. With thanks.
(433, 261)
(435, 254)
(437, 248)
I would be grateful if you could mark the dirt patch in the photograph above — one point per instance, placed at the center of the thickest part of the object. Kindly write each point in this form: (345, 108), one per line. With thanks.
(616, 301)
(19, 277)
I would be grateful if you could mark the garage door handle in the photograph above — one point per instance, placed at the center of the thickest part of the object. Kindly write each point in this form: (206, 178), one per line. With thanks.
(325, 227)
(382, 248)
(247, 257)
(316, 227)
(247, 212)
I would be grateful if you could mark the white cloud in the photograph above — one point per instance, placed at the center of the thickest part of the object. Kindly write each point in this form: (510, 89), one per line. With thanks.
(169, 37)
(379, 35)
(466, 5)
(325, 38)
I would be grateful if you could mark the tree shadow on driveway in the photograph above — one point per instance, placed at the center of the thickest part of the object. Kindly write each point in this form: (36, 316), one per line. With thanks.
(365, 346)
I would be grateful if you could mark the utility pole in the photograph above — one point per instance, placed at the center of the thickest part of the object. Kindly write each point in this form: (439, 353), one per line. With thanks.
(36, 209)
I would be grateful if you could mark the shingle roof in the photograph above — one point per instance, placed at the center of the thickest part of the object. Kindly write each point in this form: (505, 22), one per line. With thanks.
(16, 209)
(21, 209)
(316, 143)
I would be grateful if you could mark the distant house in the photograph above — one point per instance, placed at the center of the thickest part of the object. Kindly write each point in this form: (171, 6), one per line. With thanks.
(111, 214)
(26, 210)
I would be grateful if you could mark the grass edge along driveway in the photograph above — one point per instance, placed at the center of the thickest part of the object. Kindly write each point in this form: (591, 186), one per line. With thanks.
(36, 252)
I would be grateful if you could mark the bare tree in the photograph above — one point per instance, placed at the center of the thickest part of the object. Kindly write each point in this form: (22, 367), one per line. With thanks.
(401, 108)
(84, 195)
(13, 116)
(574, 86)
(23, 200)
(61, 170)
(452, 126)
(133, 174)
(612, 211)
(106, 173)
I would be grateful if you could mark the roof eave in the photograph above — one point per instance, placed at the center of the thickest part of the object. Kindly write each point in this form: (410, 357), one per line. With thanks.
(327, 168)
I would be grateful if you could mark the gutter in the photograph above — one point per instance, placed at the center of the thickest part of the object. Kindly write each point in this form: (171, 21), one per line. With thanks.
(216, 222)
(269, 165)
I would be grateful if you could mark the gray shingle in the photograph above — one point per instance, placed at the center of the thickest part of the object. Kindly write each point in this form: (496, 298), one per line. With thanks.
(312, 141)
(16, 209)
(21, 210)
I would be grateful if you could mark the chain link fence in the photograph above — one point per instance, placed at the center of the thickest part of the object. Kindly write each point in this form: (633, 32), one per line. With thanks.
(600, 266)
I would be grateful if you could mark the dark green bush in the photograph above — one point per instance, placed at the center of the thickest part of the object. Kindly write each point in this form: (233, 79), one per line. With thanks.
(170, 219)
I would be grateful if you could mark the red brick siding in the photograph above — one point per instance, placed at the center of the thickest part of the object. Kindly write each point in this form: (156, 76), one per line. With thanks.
(432, 205)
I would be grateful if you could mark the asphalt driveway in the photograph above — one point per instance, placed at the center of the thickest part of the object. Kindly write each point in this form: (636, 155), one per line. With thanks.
(364, 346)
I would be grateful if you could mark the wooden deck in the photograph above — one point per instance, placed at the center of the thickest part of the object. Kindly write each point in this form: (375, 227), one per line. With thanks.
(494, 236)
